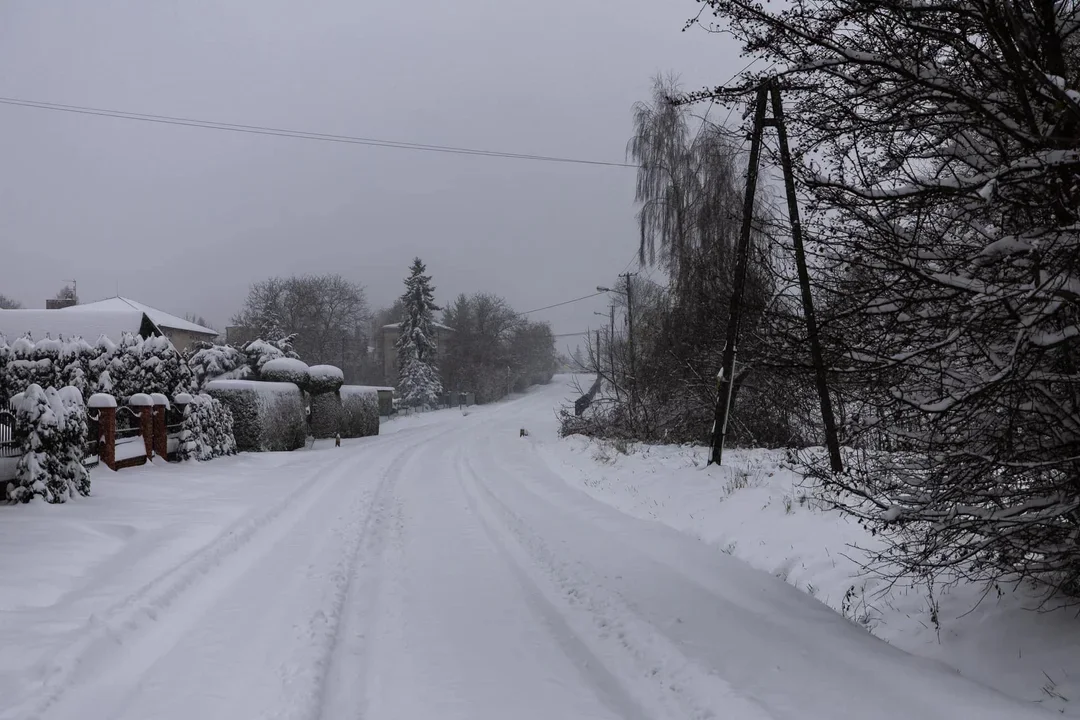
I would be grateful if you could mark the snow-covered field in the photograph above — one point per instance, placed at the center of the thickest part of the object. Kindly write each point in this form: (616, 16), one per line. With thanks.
(450, 569)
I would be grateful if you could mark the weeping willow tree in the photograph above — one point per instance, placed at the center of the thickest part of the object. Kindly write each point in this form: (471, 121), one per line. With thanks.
(690, 186)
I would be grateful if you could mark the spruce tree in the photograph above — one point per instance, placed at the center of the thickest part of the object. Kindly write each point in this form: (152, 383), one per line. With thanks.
(418, 375)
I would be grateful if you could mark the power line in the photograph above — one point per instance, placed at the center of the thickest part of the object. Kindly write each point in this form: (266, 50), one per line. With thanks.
(567, 302)
(583, 332)
(298, 134)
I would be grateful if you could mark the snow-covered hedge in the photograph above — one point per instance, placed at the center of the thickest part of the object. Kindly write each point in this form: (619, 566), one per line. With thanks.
(285, 370)
(136, 365)
(324, 379)
(359, 411)
(50, 426)
(207, 429)
(326, 415)
(266, 415)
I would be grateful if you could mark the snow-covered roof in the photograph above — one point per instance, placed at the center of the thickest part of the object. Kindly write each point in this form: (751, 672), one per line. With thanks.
(395, 326)
(71, 322)
(159, 317)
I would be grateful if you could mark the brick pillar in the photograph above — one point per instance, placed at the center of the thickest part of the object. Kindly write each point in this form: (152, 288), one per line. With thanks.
(107, 436)
(146, 429)
(161, 438)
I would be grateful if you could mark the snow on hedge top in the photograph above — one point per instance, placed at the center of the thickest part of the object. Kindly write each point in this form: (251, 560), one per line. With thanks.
(262, 388)
(158, 317)
(358, 390)
(70, 323)
(183, 399)
(101, 400)
(159, 399)
(140, 400)
(286, 365)
(323, 372)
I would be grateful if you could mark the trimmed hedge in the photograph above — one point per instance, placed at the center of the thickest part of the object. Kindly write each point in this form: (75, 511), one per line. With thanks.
(286, 370)
(267, 416)
(359, 411)
(324, 379)
(326, 415)
(207, 429)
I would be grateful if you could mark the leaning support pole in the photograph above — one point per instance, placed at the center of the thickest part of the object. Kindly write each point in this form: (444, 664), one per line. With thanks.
(831, 438)
(727, 374)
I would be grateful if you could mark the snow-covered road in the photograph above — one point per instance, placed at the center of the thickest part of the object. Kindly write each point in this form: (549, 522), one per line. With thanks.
(442, 570)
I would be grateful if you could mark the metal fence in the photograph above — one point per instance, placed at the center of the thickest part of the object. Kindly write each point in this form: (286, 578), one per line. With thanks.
(8, 446)
(129, 441)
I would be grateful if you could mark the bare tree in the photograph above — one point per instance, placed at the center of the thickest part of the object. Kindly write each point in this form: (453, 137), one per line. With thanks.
(328, 314)
(939, 144)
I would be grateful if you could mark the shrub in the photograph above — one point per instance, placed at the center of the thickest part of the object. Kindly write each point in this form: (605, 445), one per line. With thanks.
(326, 415)
(359, 411)
(51, 430)
(324, 379)
(207, 429)
(267, 416)
(286, 370)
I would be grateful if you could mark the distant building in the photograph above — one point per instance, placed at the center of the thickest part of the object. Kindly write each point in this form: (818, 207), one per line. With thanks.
(386, 348)
(111, 318)
(182, 333)
(239, 335)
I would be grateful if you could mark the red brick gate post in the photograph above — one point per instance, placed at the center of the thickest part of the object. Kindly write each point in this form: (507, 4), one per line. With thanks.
(106, 407)
(161, 433)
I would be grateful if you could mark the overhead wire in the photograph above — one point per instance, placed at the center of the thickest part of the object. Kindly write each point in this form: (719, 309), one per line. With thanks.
(299, 134)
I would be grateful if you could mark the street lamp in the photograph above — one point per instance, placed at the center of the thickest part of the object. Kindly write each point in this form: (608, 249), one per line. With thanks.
(601, 288)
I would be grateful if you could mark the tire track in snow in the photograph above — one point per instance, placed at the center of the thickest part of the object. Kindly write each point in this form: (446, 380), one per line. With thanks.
(607, 686)
(105, 634)
(634, 650)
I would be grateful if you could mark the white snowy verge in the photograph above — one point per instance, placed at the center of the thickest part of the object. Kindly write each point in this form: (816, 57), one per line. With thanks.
(764, 514)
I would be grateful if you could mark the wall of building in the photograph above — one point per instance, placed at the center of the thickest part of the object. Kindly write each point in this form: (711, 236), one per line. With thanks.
(183, 339)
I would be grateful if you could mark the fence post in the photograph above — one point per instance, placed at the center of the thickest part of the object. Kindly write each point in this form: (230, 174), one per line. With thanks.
(105, 404)
(161, 434)
(146, 420)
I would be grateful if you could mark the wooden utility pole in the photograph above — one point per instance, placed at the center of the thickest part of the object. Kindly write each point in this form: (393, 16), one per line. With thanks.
(832, 439)
(630, 330)
(726, 380)
(768, 90)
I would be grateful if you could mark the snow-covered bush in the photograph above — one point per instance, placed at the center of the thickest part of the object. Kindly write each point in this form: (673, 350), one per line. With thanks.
(259, 352)
(266, 415)
(148, 365)
(212, 362)
(326, 415)
(50, 426)
(359, 411)
(207, 429)
(324, 379)
(285, 370)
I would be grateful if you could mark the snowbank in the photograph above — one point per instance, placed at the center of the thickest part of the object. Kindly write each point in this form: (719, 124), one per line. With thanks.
(757, 510)
(267, 416)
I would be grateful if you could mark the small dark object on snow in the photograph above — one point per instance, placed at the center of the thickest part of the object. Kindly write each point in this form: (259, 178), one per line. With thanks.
(524, 433)
(337, 440)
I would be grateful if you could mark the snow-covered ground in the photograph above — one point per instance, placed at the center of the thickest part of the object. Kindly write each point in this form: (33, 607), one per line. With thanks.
(444, 569)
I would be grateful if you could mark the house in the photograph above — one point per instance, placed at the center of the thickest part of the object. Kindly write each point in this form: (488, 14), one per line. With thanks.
(386, 348)
(182, 333)
(111, 318)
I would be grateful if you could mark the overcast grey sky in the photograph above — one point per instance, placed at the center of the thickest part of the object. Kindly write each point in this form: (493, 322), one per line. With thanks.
(185, 219)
